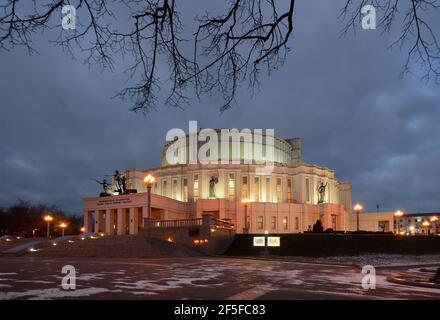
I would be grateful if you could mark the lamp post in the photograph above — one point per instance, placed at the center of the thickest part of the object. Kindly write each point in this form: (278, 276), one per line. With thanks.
(48, 219)
(266, 248)
(149, 181)
(33, 233)
(63, 226)
(357, 209)
(245, 225)
(398, 214)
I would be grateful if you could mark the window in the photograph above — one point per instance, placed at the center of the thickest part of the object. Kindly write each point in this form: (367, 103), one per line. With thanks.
(196, 187)
(174, 190)
(285, 223)
(268, 189)
(185, 189)
(231, 186)
(289, 190)
(278, 190)
(296, 223)
(257, 189)
(260, 224)
(273, 222)
(155, 188)
(164, 187)
(244, 187)
(307, 189)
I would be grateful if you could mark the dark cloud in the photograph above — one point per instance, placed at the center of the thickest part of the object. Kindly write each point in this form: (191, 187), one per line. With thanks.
(342, 96)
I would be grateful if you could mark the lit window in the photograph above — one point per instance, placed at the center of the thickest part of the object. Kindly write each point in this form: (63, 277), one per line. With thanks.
(285, 223)
(164, 187)
(196, 187)
(278, 189)
(185, 189)
(257, 189)
(244, 187)
(231, 186)
(268, 189)
(289, 190)
(174, 190)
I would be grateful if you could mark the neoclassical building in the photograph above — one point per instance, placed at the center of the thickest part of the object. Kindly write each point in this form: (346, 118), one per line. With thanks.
(289, 198)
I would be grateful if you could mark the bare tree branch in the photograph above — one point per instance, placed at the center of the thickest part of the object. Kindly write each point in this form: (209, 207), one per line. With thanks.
(416, 35)
(223, 52)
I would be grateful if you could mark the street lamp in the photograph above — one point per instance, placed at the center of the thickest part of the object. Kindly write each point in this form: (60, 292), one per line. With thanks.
(83, 229)
(149, 181)
(398, 214)
(357, 209)
(48, 219)
(266, 248)
(33, 233)
(245, 225)
(63, 226)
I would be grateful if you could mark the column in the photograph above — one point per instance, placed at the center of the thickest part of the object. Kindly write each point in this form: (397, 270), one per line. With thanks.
(99, 221)
(121, 225)
(87, 221)
(134, 223)
(109, 218)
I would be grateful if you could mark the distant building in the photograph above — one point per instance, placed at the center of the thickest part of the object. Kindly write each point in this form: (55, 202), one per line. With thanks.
(407, 224)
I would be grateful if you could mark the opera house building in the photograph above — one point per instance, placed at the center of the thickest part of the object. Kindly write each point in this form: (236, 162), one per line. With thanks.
(288, 198)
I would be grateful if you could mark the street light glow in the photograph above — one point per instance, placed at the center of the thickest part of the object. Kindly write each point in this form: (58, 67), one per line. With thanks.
(398, 213)
(357, 207)
(48, 218)
(149, 180)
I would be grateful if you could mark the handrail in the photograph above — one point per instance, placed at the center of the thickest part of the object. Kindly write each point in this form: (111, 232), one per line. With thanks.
(175, 223)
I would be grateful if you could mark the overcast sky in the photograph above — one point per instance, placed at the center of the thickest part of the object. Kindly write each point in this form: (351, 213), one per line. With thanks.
(60, 128)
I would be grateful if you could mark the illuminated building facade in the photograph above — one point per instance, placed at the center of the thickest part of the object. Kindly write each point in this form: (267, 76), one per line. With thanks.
(288, 199)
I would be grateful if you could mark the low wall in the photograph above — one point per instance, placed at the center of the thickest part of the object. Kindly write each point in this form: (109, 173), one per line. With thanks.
(207, 237)
(314, 245)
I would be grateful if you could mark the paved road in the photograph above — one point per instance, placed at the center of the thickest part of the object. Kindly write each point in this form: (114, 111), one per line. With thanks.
(195, 278)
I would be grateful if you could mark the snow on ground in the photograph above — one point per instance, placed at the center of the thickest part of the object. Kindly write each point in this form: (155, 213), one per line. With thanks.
(371, 259)
(52, 293)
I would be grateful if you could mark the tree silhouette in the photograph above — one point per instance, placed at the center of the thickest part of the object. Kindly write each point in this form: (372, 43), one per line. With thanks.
(223, 51)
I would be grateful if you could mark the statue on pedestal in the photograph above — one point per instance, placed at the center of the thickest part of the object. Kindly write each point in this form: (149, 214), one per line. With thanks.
(321, 192)
(105, 186)
(212, 182)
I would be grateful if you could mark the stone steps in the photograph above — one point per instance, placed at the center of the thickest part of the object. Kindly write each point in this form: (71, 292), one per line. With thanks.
(115, 246)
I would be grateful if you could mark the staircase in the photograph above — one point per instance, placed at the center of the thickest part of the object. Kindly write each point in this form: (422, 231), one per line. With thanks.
(134, 246)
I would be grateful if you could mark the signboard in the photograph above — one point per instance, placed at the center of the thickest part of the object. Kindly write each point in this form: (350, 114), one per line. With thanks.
(259, 242)
(273, 241)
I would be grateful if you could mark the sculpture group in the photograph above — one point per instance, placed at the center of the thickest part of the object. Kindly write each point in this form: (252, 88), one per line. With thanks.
(117, 187)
